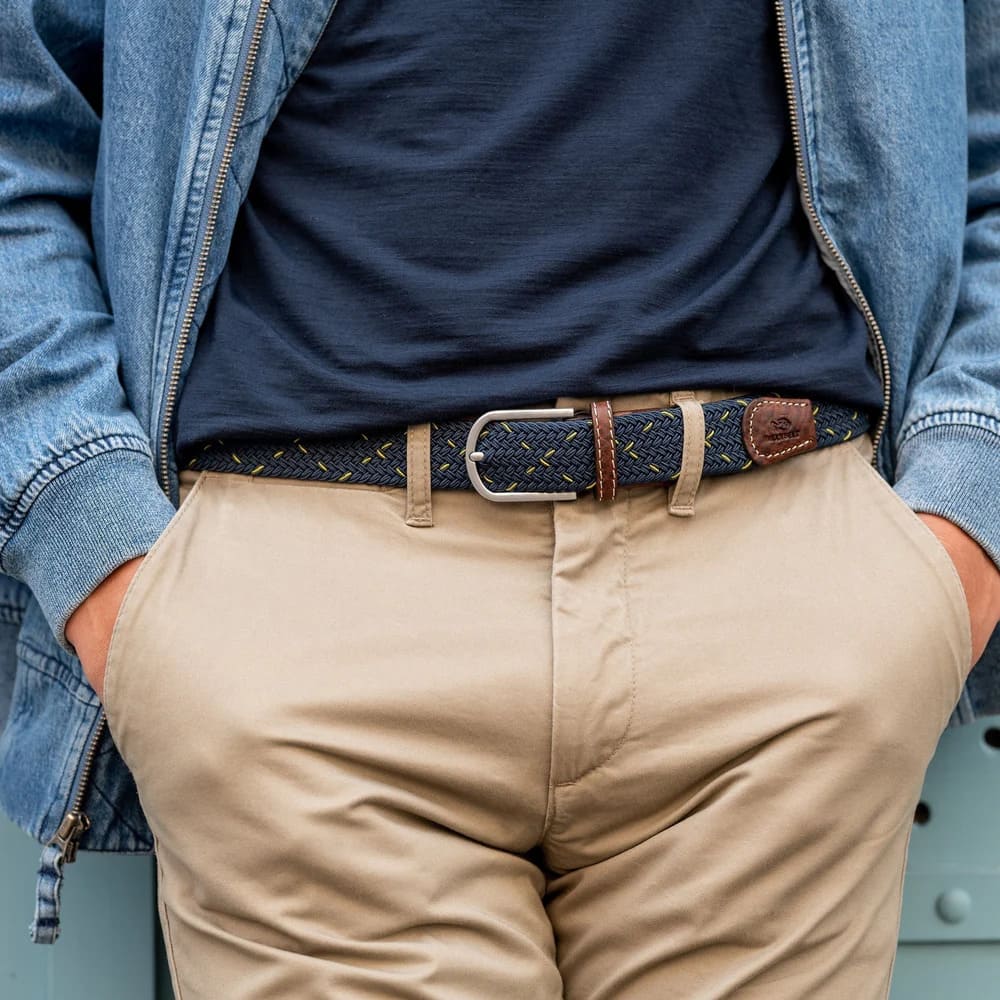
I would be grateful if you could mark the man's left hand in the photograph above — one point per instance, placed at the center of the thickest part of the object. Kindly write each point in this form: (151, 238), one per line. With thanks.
(979, 575)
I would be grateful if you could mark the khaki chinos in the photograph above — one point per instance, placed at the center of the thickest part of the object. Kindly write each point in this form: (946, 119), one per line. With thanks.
(537, 750)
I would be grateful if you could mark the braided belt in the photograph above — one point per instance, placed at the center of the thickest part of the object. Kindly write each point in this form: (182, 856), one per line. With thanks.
(554, 454)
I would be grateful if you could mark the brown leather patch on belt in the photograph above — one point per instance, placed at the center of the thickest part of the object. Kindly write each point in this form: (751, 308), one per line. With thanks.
(776, 429)
(604, 449)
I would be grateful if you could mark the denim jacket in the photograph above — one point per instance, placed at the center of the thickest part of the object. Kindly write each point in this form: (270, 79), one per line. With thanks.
(128, 135)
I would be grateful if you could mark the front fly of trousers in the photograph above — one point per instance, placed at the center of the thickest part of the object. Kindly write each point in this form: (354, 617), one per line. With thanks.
(582, 750)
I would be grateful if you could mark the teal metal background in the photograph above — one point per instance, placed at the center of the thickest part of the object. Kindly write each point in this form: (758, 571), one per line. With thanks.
(950, 933)
(949, 937)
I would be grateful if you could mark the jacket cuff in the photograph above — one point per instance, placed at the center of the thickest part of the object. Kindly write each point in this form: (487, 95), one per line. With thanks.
(83, 524)
(953, 470)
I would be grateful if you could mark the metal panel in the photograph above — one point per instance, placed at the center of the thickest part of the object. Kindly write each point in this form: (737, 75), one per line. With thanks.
(953, 870)
(952, 971)
(950, 931)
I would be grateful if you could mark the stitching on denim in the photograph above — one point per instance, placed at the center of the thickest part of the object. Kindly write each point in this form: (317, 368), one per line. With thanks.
(241, 196)
(283, 87)
(39, 660)
(53, 469)
(12, 614)
(947, 418)
(802, 58)
(280, 31)
(137, 836)
(290, 81)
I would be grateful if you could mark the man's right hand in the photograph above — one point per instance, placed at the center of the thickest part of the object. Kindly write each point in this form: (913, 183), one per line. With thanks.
(89, 627)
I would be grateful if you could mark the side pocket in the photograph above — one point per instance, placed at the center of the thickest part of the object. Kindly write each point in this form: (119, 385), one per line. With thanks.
(143, 579)
(949, 582)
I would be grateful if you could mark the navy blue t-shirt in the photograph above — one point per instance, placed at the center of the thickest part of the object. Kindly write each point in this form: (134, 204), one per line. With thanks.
(462, 207)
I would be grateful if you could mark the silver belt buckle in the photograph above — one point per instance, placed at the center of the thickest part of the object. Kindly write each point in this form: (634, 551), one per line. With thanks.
(472, 456)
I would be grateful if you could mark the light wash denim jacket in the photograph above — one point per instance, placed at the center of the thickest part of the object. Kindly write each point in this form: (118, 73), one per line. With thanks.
(129, 130)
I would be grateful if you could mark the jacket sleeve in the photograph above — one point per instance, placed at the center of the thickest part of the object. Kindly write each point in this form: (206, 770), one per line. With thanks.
(78, 491)
(948, 459)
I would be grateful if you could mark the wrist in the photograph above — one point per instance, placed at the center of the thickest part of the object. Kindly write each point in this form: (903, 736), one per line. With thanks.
(89, 627)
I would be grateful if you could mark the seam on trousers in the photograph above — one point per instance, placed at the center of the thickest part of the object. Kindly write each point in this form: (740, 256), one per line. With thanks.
(899, 912)
(624, 584)
(550, 810)
(168, 938)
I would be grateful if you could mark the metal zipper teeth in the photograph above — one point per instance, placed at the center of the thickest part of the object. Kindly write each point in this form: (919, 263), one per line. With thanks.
(824, 236)
(88, 761)
(76, 822)
(213, 212)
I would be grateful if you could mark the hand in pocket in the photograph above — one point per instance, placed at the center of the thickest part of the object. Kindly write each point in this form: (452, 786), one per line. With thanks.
(90, 626)
(979, 575)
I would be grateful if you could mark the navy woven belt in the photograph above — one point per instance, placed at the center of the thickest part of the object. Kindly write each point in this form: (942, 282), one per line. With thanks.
(553, 453)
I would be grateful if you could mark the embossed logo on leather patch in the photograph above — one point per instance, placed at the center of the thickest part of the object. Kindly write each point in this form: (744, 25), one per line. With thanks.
(775, 429)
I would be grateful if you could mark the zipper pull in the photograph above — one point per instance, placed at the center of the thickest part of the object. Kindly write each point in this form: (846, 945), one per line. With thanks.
(67, 837)
(60, 850)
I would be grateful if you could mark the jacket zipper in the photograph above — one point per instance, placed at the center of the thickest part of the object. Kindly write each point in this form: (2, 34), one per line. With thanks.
(819, 231)
(206, 244)
(76, 822)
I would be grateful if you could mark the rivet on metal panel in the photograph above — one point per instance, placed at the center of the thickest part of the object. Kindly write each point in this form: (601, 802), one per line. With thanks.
(953, 906)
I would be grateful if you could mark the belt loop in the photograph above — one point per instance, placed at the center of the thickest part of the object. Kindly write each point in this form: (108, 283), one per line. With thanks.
(418, 476)
(693, 457)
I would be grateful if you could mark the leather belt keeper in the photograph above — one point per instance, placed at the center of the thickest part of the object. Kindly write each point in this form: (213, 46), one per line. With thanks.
(603, 419)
